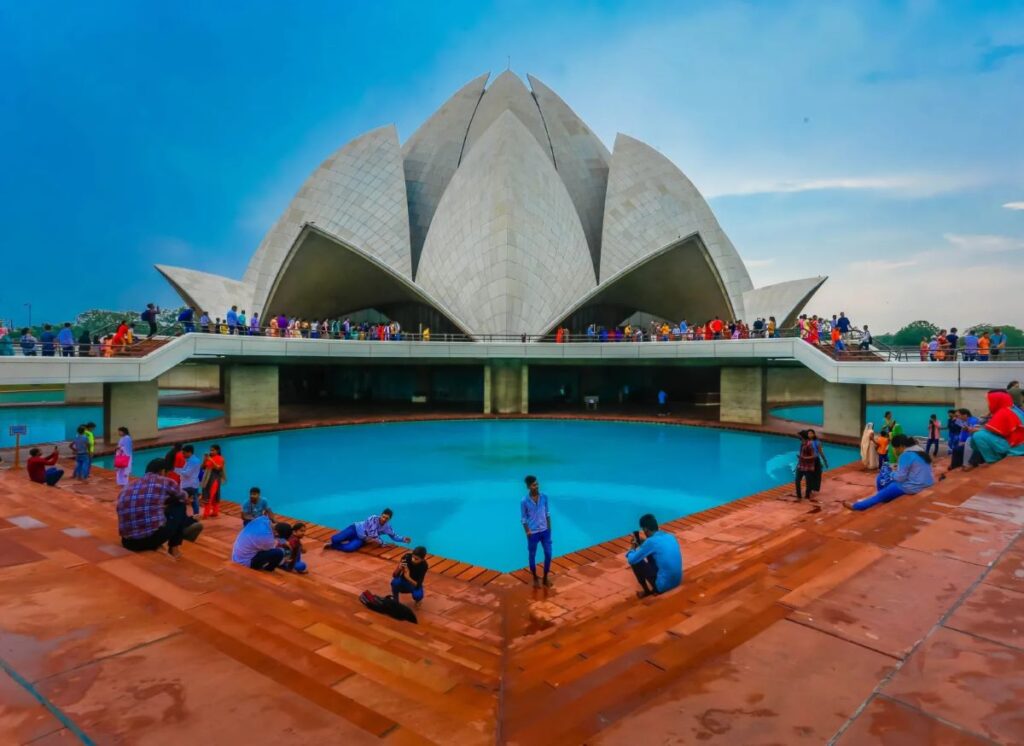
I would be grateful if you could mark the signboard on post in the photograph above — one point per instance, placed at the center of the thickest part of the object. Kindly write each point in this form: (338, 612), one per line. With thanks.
(16, 431)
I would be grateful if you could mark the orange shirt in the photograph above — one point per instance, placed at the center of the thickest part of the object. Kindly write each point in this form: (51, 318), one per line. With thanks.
(883, 445)
(983, 345)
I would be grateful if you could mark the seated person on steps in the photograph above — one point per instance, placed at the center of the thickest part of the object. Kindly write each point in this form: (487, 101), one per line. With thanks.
(655, 558)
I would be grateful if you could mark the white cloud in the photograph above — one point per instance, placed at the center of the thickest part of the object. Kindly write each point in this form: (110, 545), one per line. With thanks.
(983, 242)
(1014, 205)
(881, 265)
(909, 185)
(889, 294)
(759, 262)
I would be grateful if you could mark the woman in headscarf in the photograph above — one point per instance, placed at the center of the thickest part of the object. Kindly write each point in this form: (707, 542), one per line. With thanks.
(912, 473)
(868, 450)
(1002, 435)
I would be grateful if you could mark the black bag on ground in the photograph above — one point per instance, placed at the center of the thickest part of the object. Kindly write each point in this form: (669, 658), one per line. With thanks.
(387, 605)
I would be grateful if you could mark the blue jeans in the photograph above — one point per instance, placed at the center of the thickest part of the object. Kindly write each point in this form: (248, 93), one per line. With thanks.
(401, 585)
(888, 493)
(346, 540)
(82, 465)
(932, 442)
(53, 475)
(544, 539)
(193, 493)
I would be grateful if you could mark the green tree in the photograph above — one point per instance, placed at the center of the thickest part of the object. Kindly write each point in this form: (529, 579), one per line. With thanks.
(910, 335)
(1014, 336)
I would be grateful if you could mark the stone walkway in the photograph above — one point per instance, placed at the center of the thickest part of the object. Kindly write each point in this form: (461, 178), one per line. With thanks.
(899, 625)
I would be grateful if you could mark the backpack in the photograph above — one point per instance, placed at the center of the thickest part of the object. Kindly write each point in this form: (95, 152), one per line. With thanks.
(388, 606)
(146, 315)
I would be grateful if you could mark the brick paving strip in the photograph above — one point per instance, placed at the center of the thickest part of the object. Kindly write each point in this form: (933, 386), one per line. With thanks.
(899, 625)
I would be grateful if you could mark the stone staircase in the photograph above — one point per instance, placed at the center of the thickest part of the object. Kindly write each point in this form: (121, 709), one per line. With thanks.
(326, 668)
(792, 626)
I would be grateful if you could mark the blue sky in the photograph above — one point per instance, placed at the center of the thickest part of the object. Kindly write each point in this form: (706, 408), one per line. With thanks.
(878, 143)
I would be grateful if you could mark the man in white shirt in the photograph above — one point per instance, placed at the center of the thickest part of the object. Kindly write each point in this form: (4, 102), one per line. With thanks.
(258, 545)
(189, 474)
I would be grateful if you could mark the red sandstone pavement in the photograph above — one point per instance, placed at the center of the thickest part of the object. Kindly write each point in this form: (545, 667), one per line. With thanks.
(899, 625)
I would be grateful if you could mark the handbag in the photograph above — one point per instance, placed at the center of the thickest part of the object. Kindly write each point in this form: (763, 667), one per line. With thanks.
(121, 461)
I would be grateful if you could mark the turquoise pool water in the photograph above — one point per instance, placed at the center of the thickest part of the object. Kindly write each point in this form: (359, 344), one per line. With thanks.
(913, 417)
(46, 424)
(456, 486)
(19, 397)
(24, 397)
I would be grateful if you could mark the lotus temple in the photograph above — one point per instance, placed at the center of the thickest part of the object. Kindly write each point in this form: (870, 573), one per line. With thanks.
(501, 219)
(503, 214)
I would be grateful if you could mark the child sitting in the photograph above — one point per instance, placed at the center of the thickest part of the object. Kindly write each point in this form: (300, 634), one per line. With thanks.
(293, 559)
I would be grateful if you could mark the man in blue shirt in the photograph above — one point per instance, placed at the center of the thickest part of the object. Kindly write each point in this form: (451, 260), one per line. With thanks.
(537, 525)
(998, 342)
(231, 319)
(66, 340)
(662, 403)
(656, 560)
(843, 323)
(970, 345)
(48, 338)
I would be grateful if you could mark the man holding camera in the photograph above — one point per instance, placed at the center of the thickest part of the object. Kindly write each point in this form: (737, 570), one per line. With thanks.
(655, 558)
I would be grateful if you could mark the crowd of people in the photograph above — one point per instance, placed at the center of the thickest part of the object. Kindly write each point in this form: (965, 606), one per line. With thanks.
(905, 467)
(975, 345)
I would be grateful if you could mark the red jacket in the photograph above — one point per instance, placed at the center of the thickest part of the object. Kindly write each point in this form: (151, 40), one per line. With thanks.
(36, 466)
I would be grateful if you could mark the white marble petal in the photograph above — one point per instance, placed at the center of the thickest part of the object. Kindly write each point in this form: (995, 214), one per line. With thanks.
(431, 156)
(506, 249)
(581, 160)
(357, 194)
(649, 205)
(207, 292)
(507, 93)
(784, 300)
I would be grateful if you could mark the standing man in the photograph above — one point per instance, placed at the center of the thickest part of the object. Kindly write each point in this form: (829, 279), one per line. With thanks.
(48, 339)
(998, 340)
(149, 316)
(655, 559)
(843, 324)
(662, 403)
(187, 320)
(66, 340)
(188, 473)
(537, 524)
(232, 319)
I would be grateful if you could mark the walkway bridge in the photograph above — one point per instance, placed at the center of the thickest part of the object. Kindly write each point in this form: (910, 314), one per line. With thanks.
(251, 364)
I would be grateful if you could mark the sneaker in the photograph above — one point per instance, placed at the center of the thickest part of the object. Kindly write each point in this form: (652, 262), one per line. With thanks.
(536, 582)
(547, 582)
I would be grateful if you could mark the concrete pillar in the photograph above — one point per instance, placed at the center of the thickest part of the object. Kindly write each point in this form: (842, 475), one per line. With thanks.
(487, 389)
(844, 409)
(251, 395)
(743, 396)
(131, 405)
(191, 376)
(506, 387)
(975, 400)
(83, 393)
